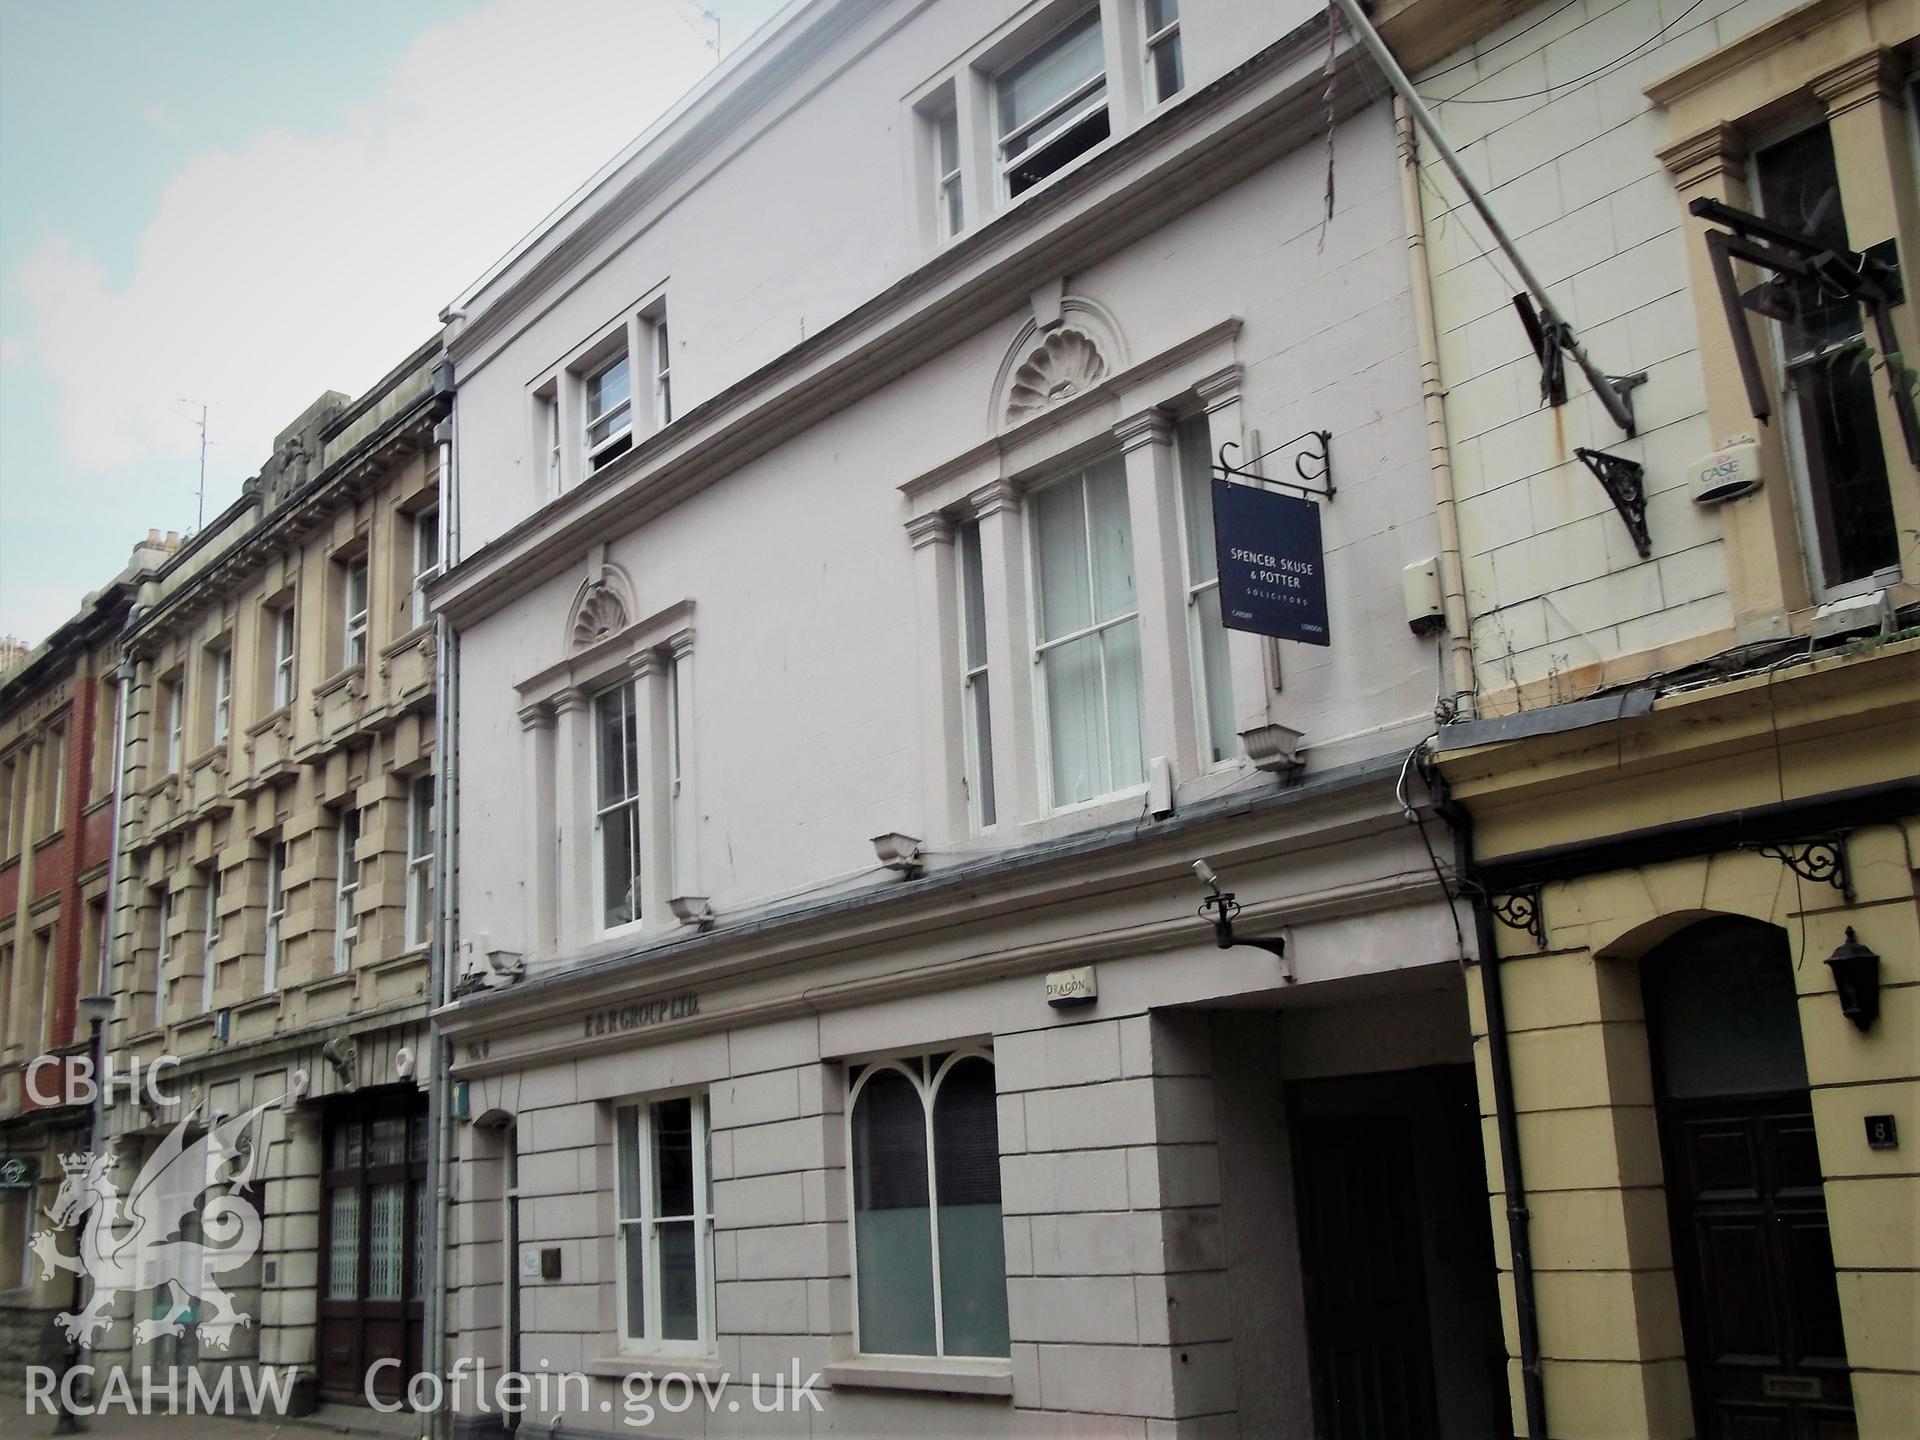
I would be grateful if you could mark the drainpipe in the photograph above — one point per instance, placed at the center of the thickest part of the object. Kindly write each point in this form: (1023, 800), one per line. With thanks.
(440, 1158)
(123, 675)
(1433, 394)
(1506, 1123)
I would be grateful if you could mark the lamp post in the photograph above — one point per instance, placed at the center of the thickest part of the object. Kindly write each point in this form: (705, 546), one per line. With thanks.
(96, 1011)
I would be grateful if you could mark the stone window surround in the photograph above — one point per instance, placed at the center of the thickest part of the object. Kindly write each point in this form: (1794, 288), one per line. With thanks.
(556, 717)
(1132, 407)
(966, 87)
(561, 389)
(1719, 107)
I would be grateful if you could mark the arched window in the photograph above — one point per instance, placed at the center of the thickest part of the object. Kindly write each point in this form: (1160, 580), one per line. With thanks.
(929, 1252)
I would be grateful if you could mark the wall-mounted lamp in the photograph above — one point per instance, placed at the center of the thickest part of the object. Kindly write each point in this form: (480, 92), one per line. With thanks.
(694, 910)
(899, 853)
(1220, 908)
(1856, 975)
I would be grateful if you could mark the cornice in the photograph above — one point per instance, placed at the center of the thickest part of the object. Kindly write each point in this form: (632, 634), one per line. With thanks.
(1743, 52)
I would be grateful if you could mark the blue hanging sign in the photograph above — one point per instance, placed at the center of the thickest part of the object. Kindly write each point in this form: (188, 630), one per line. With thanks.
(1273, 578)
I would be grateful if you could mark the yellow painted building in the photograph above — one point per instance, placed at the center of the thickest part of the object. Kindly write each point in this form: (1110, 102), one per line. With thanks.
(1687, 741)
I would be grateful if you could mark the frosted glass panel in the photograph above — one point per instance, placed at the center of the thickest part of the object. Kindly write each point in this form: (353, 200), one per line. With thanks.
(1065, 596)
(1076, 742)
(633, 1247)
(1725, 1013)
(679, 1282)
(1126, 751)
(343, 1245)
(973, 1266)
(386, 1240)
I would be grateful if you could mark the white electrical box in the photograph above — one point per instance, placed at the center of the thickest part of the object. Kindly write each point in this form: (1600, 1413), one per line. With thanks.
(1728, 473)
(1420, 585)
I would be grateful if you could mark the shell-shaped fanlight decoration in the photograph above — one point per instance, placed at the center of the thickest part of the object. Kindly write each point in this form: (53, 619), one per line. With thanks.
(601, 614)
(1065, 364)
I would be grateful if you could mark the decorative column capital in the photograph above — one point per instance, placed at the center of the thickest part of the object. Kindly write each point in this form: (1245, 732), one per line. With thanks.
(992, 499)
(934, 529)
(570, 700)
(1867, 79)
(680, 643)
(643, 663)
(1717, 153)
(1150, 427)
(1220, 389)
(536, 717)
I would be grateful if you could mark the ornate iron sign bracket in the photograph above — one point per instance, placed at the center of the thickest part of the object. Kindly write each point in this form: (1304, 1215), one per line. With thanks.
(1625, 484)
(1310, 464)
(1520, 910)
(1819, 859)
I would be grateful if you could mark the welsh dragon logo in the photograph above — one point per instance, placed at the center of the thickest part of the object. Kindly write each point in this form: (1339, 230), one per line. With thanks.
(137, 1243)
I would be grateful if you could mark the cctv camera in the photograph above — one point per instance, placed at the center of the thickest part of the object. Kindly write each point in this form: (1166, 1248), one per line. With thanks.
(1205, 872)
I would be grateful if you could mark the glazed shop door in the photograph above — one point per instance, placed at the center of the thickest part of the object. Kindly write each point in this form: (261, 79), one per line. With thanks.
(373, 1265)
(1754, 1263)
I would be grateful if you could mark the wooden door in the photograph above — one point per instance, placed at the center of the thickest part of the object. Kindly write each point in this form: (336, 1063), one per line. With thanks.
(373, 1264)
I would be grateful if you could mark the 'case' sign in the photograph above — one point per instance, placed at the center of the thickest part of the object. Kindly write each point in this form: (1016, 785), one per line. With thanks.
(1273, 578)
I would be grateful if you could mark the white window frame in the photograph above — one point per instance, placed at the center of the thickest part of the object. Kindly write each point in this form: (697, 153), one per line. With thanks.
(56, 784)
(1059, 117)
(176, 723)
(949, 200)
(928, 1090)
(660, 360)
(1194, 589)
(630, 698)
(354, 651)
(426, 559)
(1167, 35)
(276, 914)
(163, 957)
(1036, 580)
(623, 410)
(420, 852)
(649, 1225)
(283, 637)
(211, 942)
(346, 920)
(976, 683)
(551, 405)
(222, 692)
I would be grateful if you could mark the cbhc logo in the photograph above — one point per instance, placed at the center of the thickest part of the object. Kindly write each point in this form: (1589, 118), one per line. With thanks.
(81, 1087)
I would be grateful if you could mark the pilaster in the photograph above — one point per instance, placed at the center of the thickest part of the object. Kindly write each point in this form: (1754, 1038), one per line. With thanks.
(1153, 498)
(937, 627)
(1003, 565)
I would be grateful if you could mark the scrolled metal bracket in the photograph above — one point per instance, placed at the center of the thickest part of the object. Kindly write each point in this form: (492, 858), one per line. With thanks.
(1625, 483)
(1313, 466)
(1819, 859)
(1520, 910)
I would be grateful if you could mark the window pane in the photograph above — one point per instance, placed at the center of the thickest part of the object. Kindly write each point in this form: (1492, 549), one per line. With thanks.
(1076, 746)
(1127, 756)
(343, 1245)
(1216, 675)
(1846, 465)
(1065, 593)
(892, 1236)
(608, 389)
(633, 1244)
(1112, 537)
(388, 1209)
(947, 131)
(980, 739)
(619, 851)
(1194, 448)
(973, 1265)
(388, 1145)
(1069, 144)
(1169, 75)
(1068, 61)
(673, 1157)
(1161, 13)
(627, 1139)
(973, 593)
(1800, 188)
(617, 724)
(679, 1282)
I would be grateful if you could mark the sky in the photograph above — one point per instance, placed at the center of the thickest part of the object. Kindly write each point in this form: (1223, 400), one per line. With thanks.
(241, 205)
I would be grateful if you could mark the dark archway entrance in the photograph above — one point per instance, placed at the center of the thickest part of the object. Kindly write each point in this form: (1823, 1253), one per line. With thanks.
(1751, 1252)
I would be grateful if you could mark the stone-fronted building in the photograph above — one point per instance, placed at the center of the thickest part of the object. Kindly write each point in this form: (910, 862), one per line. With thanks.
(276, 908)
(58, 708)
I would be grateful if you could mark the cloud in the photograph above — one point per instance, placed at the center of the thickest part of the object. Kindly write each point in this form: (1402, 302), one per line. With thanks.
(162, 119)
(306, 262)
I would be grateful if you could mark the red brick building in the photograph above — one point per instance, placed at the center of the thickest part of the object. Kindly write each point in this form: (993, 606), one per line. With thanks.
(58, 771)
